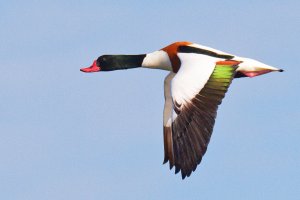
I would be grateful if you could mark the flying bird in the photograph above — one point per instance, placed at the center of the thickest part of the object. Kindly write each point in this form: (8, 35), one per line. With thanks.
(198, 80)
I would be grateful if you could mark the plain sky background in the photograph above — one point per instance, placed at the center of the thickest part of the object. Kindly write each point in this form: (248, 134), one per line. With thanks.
(69, 135)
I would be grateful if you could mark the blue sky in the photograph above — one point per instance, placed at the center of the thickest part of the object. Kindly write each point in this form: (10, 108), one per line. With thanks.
(70, 135)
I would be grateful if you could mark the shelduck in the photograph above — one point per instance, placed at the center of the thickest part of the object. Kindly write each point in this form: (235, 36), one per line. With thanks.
(198, 80)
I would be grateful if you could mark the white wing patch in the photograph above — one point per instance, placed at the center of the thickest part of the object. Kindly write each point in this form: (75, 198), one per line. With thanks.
(193, 74)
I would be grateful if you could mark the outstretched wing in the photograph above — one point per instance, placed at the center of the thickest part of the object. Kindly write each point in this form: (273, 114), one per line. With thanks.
(196, 91)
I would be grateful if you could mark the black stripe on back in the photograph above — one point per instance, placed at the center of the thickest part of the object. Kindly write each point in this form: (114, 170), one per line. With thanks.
(189, 49)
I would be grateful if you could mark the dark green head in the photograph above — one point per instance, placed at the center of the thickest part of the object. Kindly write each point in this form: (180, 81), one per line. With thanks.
(115, 62)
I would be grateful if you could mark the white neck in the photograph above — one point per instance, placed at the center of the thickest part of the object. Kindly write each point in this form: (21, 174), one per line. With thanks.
(157, 60)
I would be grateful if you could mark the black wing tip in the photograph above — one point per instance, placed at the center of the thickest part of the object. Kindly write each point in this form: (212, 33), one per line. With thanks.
(177, 169)
(170, 164)
(165, 160)
(186, 174)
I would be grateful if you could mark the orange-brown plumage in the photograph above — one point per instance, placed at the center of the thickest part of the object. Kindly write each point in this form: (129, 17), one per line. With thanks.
(228, 62)
(172, 50)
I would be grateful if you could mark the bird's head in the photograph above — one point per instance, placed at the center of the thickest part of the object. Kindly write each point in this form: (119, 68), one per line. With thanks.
(103, 63)
(115, 62)
(251, 68)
